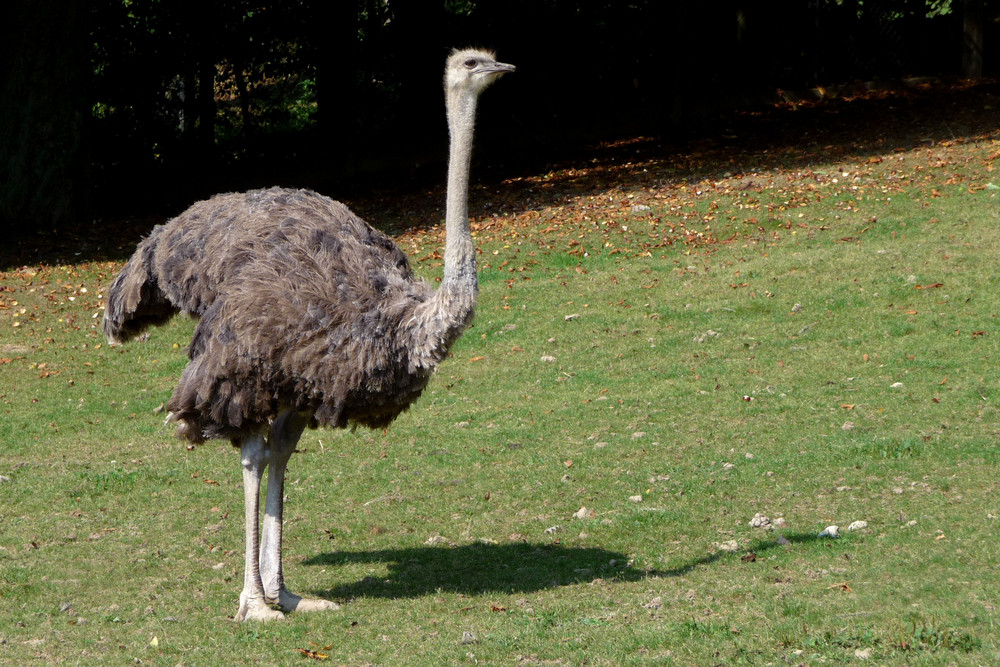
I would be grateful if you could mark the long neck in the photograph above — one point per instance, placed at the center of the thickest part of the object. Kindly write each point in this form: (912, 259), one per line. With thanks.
(459, 253)
(439, 321)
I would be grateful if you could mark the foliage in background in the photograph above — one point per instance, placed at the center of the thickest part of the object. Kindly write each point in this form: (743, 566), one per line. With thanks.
(274, 85)
(102, 99)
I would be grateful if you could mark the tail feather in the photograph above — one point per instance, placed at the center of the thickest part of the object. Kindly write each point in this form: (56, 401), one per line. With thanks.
(135, 300)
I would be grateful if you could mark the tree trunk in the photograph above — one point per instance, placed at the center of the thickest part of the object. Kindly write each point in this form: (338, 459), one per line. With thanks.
(244, 94)
(336, 43)
(43, 106)
(206, 102)
(189, 100)
(972, 39)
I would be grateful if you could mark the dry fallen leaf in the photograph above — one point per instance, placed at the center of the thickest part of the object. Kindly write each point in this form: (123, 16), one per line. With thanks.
(315, 655)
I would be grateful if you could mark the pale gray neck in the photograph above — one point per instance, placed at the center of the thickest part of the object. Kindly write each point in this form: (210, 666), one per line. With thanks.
(439, 321)
(460, 253)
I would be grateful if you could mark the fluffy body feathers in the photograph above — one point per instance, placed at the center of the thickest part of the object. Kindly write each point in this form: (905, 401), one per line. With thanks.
(301, 304)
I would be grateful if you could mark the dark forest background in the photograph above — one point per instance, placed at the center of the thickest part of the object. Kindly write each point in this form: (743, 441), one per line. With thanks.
(128, 107)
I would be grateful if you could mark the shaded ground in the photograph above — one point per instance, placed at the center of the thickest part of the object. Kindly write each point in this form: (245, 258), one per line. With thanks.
(784, 137)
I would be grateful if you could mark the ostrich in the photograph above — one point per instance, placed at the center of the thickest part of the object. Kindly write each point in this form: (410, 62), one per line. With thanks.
(307, 316)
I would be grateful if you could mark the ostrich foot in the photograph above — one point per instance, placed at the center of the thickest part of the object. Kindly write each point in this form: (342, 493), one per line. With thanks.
(255, 609)
(291, 602)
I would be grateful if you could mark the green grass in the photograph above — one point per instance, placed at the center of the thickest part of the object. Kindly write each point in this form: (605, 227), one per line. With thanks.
(117, 543)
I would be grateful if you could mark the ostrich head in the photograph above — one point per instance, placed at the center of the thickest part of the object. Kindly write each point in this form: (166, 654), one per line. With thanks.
(470, 71)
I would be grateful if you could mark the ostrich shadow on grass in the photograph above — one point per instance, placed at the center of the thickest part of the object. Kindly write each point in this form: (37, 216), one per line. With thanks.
(518, 567)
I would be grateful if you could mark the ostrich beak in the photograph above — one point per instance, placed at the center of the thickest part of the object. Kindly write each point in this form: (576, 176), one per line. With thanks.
(501, 68)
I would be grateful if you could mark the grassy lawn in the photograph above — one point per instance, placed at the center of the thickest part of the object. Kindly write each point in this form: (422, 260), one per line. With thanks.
(668, 343)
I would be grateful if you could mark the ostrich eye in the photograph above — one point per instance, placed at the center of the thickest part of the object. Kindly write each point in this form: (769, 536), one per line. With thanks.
(470, 63)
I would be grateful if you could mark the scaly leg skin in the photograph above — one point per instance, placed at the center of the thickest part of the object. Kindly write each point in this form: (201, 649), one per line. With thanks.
(285, 433)
(253, 606)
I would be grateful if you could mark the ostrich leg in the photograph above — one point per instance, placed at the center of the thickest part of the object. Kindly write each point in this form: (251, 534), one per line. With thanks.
(253, 607)
(285, 433)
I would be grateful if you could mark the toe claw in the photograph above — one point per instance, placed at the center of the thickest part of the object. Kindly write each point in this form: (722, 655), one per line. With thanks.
(291, 602)
(256, 609)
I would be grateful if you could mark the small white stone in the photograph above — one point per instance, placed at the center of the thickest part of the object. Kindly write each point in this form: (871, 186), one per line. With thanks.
(896, 385)
(830, 531)
(760, 521)
(858, 525)
(548, 358)
(583, 513)
(552, 529)
(635, 499)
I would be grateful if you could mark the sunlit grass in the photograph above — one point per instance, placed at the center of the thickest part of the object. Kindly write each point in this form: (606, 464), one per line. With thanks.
(823, 369)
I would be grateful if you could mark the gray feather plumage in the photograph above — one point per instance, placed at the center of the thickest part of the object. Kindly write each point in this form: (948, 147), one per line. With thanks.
(300, 304)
